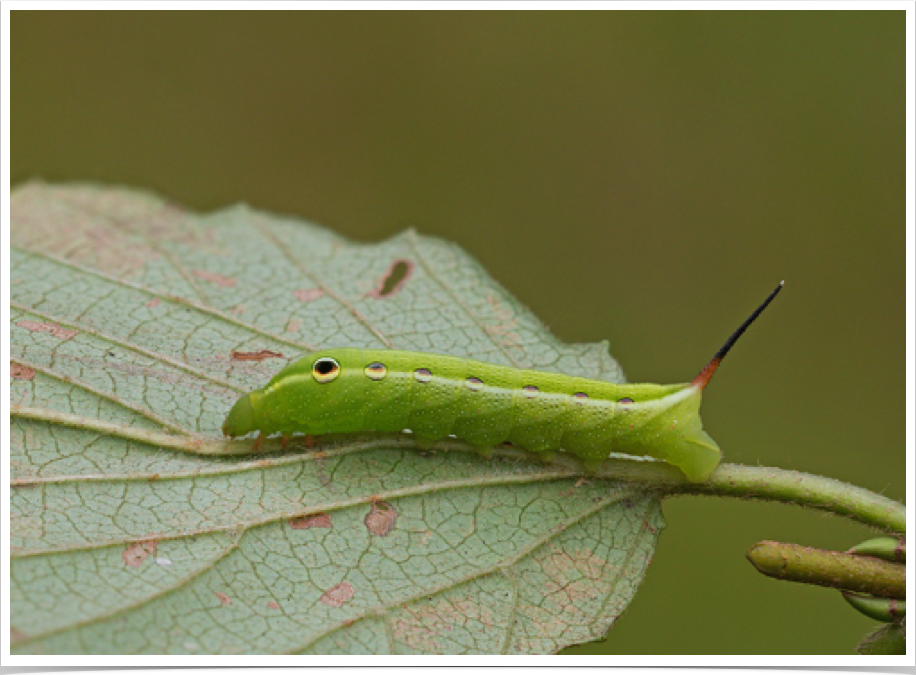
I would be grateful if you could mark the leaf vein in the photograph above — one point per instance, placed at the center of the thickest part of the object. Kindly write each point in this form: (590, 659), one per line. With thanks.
(181, 583)
(473, 576)
(140, 410)
(315, 279)
(162, 358)
(428, 270)
(204, 309)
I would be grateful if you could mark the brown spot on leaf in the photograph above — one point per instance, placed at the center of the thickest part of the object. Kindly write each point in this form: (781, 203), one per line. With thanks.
(308, 294)
(153, 303)
(380, 520)
(294, 326)
(422, 625)
(213, 277)
(505, 328)
(136, 553)
(223, 598)
(273, 605)
(52, 328)
(338, 595)
(256, 356)
(394, 279)
(573, 576)
(17, 635)
(315, 520)
(20, 372)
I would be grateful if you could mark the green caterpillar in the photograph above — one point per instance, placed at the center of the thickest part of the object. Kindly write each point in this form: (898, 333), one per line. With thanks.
(352, 390)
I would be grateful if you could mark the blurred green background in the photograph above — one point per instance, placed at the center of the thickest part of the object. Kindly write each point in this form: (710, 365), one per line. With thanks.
(638, 176)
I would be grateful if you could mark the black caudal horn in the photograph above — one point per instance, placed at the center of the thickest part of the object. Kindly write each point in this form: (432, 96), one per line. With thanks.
(706, 374)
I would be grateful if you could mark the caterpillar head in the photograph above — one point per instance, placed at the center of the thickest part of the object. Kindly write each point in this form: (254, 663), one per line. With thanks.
(241, 419)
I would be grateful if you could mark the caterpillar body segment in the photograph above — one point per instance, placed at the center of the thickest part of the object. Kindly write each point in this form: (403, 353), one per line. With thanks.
(481, 403)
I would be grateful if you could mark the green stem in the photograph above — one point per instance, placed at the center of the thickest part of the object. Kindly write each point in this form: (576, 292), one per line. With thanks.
(804, 489)
(770, 484)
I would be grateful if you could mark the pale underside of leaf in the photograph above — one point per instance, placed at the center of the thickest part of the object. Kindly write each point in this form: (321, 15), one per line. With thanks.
(134, 327)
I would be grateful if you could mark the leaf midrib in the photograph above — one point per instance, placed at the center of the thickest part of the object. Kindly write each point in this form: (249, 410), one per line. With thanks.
(326, 507)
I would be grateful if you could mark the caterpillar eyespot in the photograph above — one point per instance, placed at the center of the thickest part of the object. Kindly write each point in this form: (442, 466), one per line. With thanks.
(325, 369)
(486, 405)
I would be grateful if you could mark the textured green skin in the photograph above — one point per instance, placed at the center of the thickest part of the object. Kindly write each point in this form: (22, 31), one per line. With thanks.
(663, 422)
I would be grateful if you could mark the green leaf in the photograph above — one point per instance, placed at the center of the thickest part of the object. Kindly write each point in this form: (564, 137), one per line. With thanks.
(136, 324)
(886, 640)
